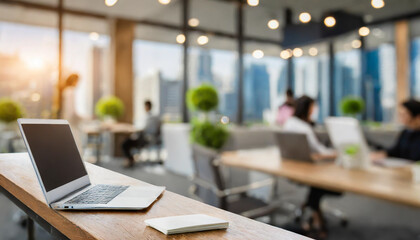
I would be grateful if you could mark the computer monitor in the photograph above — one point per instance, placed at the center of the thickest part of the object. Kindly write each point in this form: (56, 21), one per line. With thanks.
(345, 132)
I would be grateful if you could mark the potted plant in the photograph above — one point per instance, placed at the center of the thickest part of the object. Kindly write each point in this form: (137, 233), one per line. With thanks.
(10, 111)
(207, 133)
(109, 108)
(352, 106)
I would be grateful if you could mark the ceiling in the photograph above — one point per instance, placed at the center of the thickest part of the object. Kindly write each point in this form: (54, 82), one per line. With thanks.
(216, 15)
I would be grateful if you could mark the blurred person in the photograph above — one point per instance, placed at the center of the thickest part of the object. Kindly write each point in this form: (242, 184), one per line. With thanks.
(286, 110)
(68, 107)
(301, 122)
(407, 145)
(140, 139)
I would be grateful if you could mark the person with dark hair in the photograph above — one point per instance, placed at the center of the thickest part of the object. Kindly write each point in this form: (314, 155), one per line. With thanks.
(140, 139)
(408, 143)
(286, 110)
(301, 122)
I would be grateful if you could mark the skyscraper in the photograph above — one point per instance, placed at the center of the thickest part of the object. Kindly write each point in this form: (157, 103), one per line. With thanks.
(256, 91)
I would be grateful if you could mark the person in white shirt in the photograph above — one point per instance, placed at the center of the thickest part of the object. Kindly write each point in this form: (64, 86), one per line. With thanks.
(301, 122)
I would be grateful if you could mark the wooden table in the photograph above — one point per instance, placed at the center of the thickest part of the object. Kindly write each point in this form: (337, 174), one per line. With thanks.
(389, 184)
(18, 180)
(95, 132)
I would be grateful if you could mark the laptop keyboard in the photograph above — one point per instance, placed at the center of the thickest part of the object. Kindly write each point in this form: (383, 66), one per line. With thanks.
(99, 194)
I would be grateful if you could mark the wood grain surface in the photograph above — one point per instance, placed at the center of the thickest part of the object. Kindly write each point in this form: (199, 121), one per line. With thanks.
(18, 177)
(384, 183)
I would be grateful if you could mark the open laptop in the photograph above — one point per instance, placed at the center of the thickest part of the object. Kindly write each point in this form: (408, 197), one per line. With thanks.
(347, 130)
(295, 146)
(63, 176)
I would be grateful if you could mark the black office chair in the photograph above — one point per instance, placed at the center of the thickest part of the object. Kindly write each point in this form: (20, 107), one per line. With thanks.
(154, 142)
(209, 186)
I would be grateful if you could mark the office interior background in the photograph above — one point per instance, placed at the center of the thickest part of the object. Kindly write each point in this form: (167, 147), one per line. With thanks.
(251, 52)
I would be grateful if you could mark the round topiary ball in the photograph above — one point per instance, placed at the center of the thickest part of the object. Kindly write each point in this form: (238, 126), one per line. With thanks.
(10, 110)
(203, 98)
(110, 106)
(352, 105)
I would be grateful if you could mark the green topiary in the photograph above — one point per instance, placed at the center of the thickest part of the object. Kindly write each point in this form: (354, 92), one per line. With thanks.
(352, 106)
(10, 110)
(109, 107)
(208, 134)
(203, 98)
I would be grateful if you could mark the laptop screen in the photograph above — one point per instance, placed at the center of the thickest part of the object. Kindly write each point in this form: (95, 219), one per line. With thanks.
(55, 153)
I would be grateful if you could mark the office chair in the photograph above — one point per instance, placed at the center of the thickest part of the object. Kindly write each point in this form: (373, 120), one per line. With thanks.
(209, 186)
(154, 143)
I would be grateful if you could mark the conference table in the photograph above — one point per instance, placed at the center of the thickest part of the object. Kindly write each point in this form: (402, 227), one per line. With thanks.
(392, 184)
(19, 183)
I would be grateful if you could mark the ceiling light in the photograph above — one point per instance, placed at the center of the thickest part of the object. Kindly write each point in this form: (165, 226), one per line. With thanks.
(297, 52)
(286, 54)
(364, 31)
(110, 3)
(35, 97)
(164, 2)
(313, 51)
(273, 24)
(329, 21)
(356, 43)
(202, 40)
(377, 3)
(305, 17)
(253, 3)
(258, 54)
(180, 38)
(193, 22)
(224, 120)
(94, 36)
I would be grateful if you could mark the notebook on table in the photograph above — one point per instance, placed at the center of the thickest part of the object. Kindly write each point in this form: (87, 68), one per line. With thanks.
(186, 223)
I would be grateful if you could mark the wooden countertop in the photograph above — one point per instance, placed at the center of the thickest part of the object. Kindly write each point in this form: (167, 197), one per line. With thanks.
(384, 183)
(18, 177)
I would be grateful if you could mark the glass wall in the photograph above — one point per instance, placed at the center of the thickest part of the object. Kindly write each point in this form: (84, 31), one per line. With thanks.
(265, 83)
(311, 78)
(157, 76)
(86, 52)
(28, 60)
(215, 63)
(379, 74)
(415, 58)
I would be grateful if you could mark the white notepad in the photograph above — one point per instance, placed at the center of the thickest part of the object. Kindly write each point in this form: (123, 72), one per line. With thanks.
(186, 223)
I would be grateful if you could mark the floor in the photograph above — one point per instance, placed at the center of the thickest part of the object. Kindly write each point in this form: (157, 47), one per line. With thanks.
(369, 218)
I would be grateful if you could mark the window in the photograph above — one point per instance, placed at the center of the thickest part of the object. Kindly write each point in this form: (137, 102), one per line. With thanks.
(265, 83)
(379, 74)
(216, 64)
(28, 56)
(157, 76)
(86, 51)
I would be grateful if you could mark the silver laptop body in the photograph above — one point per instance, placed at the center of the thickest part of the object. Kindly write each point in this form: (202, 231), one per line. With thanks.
(63, 176)
(294, 146)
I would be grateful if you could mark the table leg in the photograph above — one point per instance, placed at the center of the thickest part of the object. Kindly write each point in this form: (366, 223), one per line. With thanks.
(30, 228)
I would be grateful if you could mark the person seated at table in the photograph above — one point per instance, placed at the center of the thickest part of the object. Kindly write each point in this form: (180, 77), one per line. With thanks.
(407, 145)
(140, 139)
(301, 122)
(286, 110)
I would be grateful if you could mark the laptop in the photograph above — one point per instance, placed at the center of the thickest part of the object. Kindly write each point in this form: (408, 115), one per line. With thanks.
(295, 146)
(63, 176)
(347, 130)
